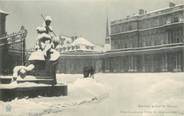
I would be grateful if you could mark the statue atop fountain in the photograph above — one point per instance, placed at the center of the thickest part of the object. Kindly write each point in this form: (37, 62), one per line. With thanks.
(43, 61)
(38, 76)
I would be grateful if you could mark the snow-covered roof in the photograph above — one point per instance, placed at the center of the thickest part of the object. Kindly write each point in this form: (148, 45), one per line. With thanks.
(66, 45)
(80, 44)
(99, 48)
(82, 41)
(3, 12)
(67, 40)
(150, 13)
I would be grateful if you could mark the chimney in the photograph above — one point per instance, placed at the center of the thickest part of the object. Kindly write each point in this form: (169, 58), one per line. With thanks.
(141, 11)
(172, 4)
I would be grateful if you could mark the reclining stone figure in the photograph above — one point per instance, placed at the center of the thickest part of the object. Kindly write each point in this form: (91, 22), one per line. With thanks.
(21, 71)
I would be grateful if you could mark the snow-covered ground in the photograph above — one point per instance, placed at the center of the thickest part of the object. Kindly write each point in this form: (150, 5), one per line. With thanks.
(127, 94)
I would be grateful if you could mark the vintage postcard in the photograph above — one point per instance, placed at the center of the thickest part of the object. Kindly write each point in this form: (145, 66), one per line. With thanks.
(91, 57)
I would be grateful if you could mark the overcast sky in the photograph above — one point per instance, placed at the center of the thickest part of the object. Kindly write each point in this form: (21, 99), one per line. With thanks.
(85, 18)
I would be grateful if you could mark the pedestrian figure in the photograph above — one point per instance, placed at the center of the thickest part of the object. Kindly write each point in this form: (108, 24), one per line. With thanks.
(88, 71)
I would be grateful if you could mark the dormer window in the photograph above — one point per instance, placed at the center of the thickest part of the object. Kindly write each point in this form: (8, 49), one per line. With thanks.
(87, 47)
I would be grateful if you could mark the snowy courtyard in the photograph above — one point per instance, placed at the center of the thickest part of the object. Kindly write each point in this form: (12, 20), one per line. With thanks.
(126, 94)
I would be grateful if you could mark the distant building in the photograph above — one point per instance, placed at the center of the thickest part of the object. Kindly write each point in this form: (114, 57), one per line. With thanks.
(12, 46)
(145, 42)
(79, 44)
(78, 52)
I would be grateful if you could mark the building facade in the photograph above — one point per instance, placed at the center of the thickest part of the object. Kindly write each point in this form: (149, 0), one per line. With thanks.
(77, 53)
(74, 62)
(148, 42)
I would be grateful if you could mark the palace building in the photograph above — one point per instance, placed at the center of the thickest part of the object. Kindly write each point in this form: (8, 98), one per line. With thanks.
(148, 42)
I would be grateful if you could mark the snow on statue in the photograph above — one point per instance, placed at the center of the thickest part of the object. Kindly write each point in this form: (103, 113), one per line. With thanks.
(46, 42)
(20, 71)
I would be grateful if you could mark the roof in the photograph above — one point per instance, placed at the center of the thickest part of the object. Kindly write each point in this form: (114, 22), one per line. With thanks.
(149, 14)
(3, 12)
(99, 48)
(82, 41)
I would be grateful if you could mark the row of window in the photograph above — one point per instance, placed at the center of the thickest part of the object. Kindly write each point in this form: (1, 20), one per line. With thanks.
(75, 48)
(152, 39)
(162, 20)
(124, 43)
(148, 23)
(123, 27)
(153, 62)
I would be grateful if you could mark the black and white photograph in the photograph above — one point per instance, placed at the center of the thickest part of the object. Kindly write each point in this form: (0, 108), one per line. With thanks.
(91, 57)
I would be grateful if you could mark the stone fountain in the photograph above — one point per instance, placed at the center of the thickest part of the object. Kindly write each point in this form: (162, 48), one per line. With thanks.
(38, 77)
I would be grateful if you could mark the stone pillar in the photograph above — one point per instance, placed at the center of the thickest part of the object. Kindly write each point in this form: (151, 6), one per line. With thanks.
(143, 63)
(164, 62)
(135, 63)
(152, 63)
(107, 64)
(103, 63)
(182, 59)
(122, 64)
(111, 65)
(130, 60)
(178, 62)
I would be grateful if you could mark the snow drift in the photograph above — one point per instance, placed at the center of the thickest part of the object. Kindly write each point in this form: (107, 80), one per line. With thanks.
(81, 91)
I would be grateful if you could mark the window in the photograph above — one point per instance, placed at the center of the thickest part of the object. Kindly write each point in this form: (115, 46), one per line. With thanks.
(168, 21)
(122, 28)
(125, 45)
(176, 19)
(130, 42)
(181, 19)
(129, 27)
